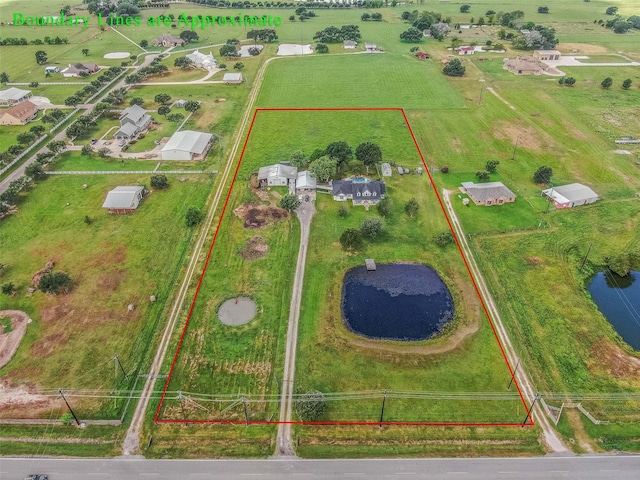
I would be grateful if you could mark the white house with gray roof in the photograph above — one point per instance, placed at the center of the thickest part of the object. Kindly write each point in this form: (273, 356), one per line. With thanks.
(572, 195)
(187, 145)
(488, 194)
(278, 175)
(133, 120)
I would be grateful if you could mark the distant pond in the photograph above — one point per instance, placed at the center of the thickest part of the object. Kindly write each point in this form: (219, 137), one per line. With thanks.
(618, 298)
(398, 301)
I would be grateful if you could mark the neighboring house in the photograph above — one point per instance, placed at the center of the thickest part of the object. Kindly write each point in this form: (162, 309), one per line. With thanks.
(547, 54)
(180, 103)
(360, 192)
(51, 69)
(78, 69)
(123, 200)
(232, 78)
(572, 195)
(133, 120)
(487, 194)
(371, 47)
(12, 96)
(386, 169)
(202, 60)
(305, 182)
(167, 40)
(187, 145)
(422, 55)
(19, 114)
(465, 50)
(349, 44)
(426, 33)
(278, 175)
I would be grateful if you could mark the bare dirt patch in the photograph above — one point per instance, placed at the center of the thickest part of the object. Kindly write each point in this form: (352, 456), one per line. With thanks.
(23, 402)
(256, 215)
(611, 360)
(55, 313)
(528, 137)
(110, 282)
(584, 48)
(47, 345)
(255, 248)
(9, 342)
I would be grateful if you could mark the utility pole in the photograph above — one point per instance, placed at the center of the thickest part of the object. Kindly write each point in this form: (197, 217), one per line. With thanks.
(586, 255)
(513, 157)
(246, 416)
(69, 407)
(384, 400)
(514, 374)
(530, 409)
(115, 356)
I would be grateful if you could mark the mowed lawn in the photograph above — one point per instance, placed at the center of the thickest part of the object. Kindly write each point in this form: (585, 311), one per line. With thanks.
(114, 261)
(366, 80)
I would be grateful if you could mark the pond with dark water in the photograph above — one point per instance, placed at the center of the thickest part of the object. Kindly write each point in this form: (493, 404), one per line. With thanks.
(618, 298)
(397, 301)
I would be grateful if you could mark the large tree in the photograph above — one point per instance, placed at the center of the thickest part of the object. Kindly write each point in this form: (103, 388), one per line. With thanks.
(297, 159)
(289, 202)
(159, 182)
(55, 282)
(189, 36)
(192, 106)
(351, 239)
(341, 151)
(41, 57)
(454, 68)
(229, 51)
(183, 62)
(371, 227)
(263, 35)
(162, 98)
(606, 83)
(411, 207)
(384, 207)
(369, 153)
(193, 217)
(323, 168)
(413, 35)
(543, 175)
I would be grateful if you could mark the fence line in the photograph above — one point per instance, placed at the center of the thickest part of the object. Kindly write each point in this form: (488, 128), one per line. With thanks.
(22, 154)
(125, 172)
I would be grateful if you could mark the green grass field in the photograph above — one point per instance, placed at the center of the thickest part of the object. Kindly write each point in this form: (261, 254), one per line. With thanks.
(73, 339)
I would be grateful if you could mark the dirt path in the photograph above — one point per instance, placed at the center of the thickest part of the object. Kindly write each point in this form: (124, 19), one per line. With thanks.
(9, 342)
(551, 439)
(284, 445)
(131, 445)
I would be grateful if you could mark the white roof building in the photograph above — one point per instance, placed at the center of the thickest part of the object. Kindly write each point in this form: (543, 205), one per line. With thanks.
(232, 78)
(305, 181)
(386, 169)
(187, 145)
(124, 199)
(277, 175)
(202, 60)
(572, 195)
(13, 95)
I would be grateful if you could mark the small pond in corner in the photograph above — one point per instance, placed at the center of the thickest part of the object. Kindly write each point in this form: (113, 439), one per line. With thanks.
(618, 298)
(398, 301)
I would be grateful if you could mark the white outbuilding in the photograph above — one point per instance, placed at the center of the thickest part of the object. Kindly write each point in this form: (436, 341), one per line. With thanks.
(187, 145)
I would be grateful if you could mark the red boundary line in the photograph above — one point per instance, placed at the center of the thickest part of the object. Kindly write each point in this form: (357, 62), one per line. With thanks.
(529, 419)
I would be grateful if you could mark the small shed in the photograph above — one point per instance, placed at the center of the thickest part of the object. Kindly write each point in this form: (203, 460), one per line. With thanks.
(349, 44)
(371, 47)
(400, 171)
(386, 169)
(370, 264)
(124, 199)
(232, 78)
(419, 170)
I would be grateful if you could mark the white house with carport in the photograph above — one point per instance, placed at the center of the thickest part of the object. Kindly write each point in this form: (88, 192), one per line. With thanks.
(569, 196)
(187, 145)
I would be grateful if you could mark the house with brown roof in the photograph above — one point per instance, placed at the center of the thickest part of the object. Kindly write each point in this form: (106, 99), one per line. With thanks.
(19, 114)
(525, 65)
(488, 194)
(167, 40)
(79, 70)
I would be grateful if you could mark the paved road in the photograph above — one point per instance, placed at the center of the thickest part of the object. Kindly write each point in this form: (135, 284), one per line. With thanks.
(548, 468)
(284, 447)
